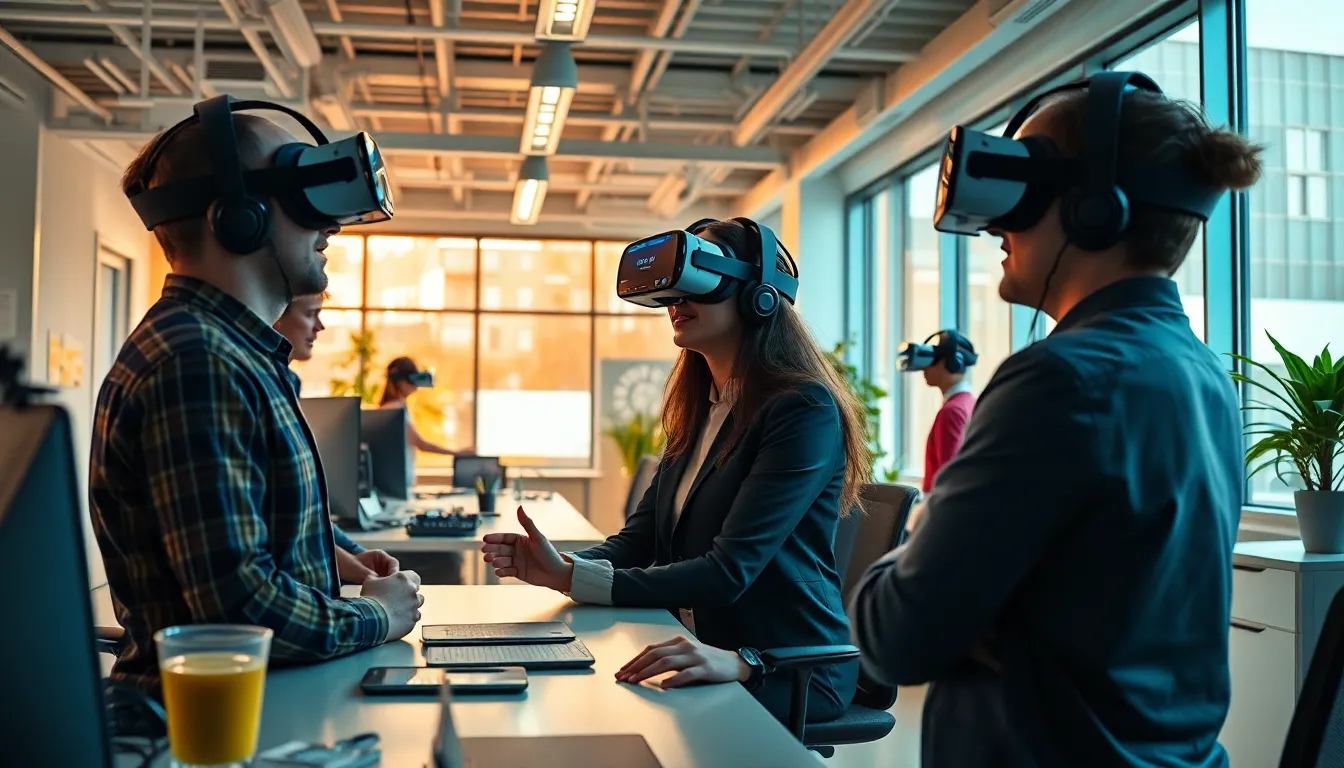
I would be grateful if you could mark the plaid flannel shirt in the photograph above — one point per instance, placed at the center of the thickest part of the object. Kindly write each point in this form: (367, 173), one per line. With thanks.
(207, 495)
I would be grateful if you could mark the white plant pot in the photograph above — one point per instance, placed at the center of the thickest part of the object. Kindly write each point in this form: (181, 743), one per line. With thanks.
(1320, 517)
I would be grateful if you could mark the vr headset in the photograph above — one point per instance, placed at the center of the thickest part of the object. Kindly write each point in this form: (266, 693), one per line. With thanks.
(419, 378)
(678, 266)
(953, 350)
(340, 183)
(998, 182)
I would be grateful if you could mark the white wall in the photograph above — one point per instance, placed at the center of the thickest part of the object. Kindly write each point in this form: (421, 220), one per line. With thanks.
(19, 137)
(56, 203)
(81, 205)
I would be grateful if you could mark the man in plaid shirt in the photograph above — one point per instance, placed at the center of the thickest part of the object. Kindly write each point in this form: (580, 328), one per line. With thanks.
(208, 498)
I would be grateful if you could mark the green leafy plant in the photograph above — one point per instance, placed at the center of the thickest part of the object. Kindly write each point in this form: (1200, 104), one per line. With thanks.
(1310, 400)
(359, 384)
(869, 394)
(640, 436)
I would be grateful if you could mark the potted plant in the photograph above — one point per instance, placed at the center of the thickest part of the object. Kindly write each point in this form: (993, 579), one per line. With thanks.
(359, 385)
(1306, 442)
(640, 436)
(869, 394)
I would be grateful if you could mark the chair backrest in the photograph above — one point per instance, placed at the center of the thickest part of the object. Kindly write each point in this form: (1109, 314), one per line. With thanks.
(862, 538)
(639, 484)
(1316, 734)
(865, 536)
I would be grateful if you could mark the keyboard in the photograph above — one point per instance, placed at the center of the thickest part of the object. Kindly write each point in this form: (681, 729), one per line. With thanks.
(496, 633)
(571, 655)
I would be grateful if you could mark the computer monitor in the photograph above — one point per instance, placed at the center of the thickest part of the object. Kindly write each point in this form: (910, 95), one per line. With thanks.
(383, 430)
(467, 468)
(52, 678)
(335, 422)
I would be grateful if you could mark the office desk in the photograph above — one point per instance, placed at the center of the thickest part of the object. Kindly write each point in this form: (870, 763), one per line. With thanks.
(564, 525)
(717, 725)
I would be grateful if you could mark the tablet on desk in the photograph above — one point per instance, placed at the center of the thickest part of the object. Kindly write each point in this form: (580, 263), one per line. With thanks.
(571, 655)
(502, 633)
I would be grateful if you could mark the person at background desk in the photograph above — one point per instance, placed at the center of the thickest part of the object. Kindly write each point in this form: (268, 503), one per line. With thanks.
(205, 486)
(404, 377)
(944, 365)
(1067, 589)
(300, 324)
(765, 452)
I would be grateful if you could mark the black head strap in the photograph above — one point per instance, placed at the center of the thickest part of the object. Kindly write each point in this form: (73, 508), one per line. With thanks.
(233, 106)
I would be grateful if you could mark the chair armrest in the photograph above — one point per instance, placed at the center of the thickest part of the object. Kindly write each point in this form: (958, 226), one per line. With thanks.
(109, 640)
(808, 656)
(802, 661)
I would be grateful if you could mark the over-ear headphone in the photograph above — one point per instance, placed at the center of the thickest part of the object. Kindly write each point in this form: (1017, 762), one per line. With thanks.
(241, 223)
(758, 300)
(1095, 213)
(954, 351)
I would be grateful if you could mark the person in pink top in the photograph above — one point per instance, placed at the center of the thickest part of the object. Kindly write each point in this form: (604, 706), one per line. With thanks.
(944, 364)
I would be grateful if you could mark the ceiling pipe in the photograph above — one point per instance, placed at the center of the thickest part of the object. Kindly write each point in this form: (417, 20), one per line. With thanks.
(254, 41)
(49, 72)
(644, 61)
(665, 58)
(826, 45)
(127, 38)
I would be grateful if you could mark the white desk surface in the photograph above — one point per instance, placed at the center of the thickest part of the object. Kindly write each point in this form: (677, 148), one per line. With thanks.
(1286, 554)
(564, 525)
(714, 725)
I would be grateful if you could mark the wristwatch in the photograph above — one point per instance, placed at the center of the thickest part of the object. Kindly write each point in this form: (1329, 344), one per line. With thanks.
(758, 670)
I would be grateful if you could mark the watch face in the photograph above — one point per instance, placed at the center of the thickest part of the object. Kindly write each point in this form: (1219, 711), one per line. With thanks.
(750, 656)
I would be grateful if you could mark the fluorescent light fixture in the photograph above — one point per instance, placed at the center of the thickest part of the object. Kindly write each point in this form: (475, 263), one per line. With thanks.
(292, 32)
(555, 77)
(530, 191)
(564, 19)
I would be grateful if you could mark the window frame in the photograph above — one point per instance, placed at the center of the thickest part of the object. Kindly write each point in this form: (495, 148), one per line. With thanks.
(593, 314)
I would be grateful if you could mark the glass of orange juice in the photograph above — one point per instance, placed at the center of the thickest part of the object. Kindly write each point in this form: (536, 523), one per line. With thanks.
(213, 676)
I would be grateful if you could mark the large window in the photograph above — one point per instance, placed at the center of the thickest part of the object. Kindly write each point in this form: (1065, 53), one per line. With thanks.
(922, 305)
(532, 353)
(1295, 90)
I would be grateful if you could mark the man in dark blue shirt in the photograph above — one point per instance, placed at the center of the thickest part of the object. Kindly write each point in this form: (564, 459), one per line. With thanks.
(1066, 587)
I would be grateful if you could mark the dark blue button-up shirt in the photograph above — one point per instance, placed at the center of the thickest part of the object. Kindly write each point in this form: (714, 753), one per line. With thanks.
(1068, 588)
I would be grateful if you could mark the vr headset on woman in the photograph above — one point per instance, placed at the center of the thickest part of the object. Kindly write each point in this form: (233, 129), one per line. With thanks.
(332, 183)
(999, 182)
(677, 266)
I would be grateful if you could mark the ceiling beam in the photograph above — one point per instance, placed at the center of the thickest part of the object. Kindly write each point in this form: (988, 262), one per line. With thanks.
(49, 72)
(465, 145)
(759, 158)
(690, 124)
(726, 48)
(824, 46)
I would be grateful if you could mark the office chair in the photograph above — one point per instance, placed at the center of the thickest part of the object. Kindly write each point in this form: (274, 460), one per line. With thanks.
(860, 539)
(1316, 734)
(640, 482)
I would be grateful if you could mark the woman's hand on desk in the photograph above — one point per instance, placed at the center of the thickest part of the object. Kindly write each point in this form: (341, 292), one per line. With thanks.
(528, 556)
(692, 660)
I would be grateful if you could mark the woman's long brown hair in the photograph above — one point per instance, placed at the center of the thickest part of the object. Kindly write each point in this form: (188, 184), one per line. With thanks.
(774, 357)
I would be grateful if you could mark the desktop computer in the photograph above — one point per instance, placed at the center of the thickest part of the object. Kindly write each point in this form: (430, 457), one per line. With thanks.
(335, 423)
(383, 430)
(55, 707)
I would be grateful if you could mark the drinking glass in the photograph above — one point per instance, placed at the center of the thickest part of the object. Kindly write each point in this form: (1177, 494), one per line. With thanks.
(213, 677)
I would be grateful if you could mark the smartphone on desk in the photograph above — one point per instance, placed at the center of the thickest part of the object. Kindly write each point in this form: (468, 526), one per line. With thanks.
(416, 681)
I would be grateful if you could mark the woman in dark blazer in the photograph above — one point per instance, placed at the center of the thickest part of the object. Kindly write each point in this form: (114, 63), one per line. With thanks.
(766, 449)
